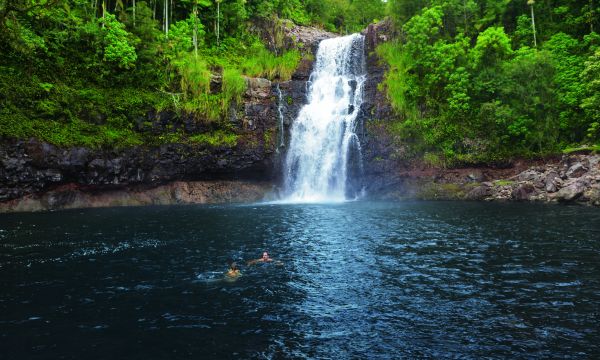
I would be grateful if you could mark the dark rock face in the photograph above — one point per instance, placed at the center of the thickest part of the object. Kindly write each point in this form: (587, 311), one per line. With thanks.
(32, 166)
(72, 196)
(380, 168)
(26, 172)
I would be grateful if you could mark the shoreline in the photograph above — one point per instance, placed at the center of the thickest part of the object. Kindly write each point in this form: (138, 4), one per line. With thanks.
(76, 196)
(572, 179)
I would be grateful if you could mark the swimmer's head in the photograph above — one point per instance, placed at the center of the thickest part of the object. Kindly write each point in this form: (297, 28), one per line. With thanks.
(265, 255)
(233, 266)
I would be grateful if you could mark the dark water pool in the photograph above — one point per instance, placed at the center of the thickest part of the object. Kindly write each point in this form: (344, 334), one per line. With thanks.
(360, 280)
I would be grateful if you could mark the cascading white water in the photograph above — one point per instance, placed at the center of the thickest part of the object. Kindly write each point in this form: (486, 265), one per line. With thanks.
(323, 135)
(280, 114)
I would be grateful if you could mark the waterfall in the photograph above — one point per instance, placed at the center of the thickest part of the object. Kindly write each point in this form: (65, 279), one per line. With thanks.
(280, 114)
(323, 144)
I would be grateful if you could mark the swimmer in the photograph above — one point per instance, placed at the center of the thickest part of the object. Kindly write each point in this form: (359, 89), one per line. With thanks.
(264, 259)
(233, 271)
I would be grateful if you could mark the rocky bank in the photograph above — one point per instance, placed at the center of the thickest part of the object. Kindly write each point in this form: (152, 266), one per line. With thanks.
(569, 179)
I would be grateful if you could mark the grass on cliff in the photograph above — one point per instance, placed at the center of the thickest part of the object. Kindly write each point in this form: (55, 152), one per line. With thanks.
(265, 64)
(215, 139)
(97, 117)
(73, 109)
(72, 133)
(73, 115)
(233, 64)
(587, 148)
(253, 59)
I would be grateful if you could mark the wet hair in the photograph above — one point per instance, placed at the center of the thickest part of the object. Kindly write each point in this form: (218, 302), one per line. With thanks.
(233, 265)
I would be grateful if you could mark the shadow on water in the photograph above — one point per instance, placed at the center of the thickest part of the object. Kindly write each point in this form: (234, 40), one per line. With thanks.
(359, 280)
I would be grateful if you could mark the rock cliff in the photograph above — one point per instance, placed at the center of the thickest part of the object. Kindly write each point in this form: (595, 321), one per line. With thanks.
(36, 176)
(31, 166)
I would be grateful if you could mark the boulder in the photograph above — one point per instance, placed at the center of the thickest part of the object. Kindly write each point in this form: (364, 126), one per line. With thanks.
(571, 192)
(552, 181)
(309, 37)
(576, 170)
(522, 192)
(479, 193)
(258, 88)
(593, 195)
(476, 176)
(528, 175)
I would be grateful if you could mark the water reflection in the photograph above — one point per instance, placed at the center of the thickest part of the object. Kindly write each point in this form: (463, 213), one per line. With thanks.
(360, 280)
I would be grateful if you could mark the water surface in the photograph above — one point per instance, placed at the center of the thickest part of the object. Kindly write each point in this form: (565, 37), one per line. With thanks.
(360, 280)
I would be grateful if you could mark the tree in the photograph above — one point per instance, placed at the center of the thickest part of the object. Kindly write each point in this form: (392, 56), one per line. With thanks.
(197, 26)
(566, 53)
(493, 46)
(402, 10)
(527, 86)
(591, 103)
(166, 17)
(118, 47)
(218, 18)
(531, 3)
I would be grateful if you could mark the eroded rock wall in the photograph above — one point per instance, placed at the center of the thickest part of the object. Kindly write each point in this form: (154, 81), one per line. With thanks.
(73, 196)
(31, 166)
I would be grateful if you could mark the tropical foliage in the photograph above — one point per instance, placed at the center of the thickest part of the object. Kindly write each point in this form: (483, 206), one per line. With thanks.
(88, 72)
(482, 81)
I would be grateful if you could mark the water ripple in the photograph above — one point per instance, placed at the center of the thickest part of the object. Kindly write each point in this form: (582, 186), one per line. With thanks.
(353, 280)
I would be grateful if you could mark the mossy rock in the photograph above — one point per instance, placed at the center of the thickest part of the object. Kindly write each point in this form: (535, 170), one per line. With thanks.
(439, 191)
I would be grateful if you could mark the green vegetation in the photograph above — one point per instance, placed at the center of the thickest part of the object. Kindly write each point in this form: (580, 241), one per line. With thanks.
(588, 149)
(503, 182)
(100, 72)
(481, 82)
(470, 82)
(218, 138)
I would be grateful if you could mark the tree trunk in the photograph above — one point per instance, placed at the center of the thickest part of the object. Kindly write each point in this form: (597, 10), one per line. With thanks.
(533, 27)
(218, 19)
(592, 17)
(195, 29)
(103, 12)
(133, 13)
(465, 15)
(167, 18)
